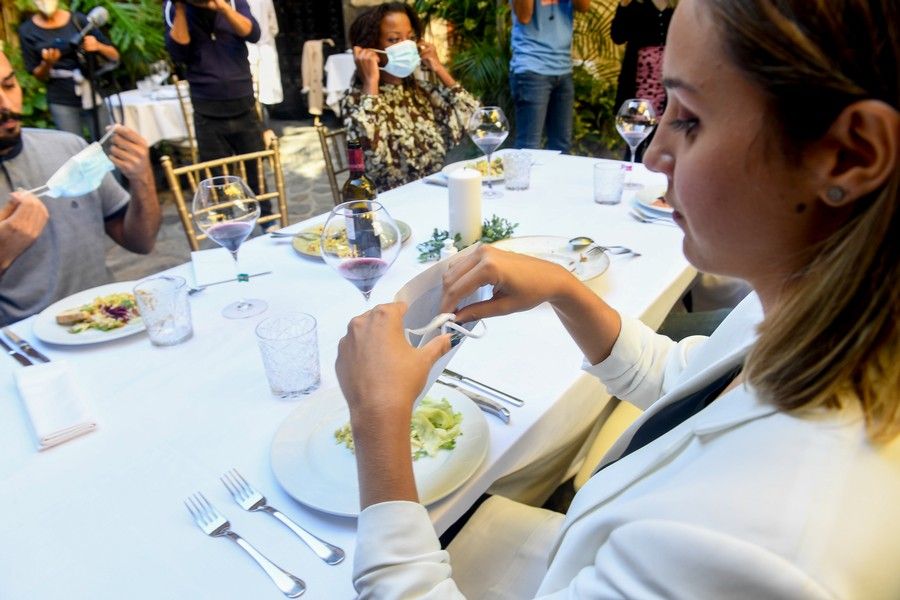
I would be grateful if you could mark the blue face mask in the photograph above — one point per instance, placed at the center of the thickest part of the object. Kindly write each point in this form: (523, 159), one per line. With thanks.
(81, 174)
(403, 59)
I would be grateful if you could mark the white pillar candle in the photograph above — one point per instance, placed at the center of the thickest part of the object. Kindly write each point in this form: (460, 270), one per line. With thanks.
(464, 188)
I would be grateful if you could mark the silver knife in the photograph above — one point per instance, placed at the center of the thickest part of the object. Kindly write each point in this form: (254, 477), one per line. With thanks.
(485, 404)
(500, 395)
(19, 357)
(25, 346)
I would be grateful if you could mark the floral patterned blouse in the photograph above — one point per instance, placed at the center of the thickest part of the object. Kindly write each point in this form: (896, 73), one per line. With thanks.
(407, 129)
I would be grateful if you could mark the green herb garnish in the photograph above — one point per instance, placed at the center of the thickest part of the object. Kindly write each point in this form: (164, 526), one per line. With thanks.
(492, 230)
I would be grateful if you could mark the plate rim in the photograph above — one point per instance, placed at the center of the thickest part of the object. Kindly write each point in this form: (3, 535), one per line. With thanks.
(318, 255)
(314, 414)
(642, 200)
(48, 317)
(559, 237)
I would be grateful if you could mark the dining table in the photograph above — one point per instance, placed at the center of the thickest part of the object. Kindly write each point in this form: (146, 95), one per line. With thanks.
(103, 515)
(153, 113)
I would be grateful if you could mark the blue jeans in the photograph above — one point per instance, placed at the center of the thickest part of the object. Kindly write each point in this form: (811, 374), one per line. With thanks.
(543, 101)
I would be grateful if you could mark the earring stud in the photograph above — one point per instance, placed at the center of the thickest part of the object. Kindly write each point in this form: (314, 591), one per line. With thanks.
(835, 193)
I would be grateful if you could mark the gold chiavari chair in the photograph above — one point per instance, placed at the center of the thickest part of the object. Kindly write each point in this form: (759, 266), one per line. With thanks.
(267, 162)
(189, 145)
(334, 151)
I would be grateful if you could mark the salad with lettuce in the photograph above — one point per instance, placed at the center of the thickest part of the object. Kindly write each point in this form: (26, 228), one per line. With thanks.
(434, 426)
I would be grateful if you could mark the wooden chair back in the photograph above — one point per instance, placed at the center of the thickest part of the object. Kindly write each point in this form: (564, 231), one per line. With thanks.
(334, 151)
(184, 101)
(266, 162)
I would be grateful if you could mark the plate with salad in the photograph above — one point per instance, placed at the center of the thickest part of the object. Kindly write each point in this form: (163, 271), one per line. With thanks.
(480, 165)
(96, 315)
(313, 457)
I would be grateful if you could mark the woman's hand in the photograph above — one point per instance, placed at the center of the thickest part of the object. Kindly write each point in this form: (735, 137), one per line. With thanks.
(380, 373)
(367, 67)
(429, 56)
(520, 283)
(50, 56)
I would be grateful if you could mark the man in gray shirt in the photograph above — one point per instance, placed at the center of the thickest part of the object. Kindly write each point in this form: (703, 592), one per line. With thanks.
(52, 248)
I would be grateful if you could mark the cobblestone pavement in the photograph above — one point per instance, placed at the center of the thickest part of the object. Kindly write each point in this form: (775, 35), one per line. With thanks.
(308, 194)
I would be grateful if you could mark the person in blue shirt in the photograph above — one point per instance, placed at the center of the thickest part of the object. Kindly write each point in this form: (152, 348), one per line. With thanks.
(540, 71)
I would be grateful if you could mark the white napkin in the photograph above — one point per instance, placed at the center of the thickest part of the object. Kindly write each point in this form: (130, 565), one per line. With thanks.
(216, 265)
(56, 406)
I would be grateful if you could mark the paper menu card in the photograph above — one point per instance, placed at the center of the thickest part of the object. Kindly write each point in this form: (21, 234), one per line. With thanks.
(216, 265)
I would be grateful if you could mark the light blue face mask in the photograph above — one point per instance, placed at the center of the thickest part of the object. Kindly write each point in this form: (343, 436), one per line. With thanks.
(81, 174)
(402, 59)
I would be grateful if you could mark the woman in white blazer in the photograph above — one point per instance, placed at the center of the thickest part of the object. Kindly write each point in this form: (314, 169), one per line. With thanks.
(767, 461)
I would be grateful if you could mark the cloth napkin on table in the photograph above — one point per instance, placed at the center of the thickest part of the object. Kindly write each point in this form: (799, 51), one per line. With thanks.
(55, 403)
(216, 265)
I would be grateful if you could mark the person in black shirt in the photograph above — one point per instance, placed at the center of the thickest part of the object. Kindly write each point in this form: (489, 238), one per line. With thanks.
(209, 38)
(49, 56)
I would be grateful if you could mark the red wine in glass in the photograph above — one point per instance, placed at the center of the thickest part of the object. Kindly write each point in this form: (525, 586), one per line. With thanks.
(364, 272)
(230, 235)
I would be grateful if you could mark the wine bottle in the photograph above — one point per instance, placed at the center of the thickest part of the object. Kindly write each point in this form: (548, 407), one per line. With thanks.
(361, 229)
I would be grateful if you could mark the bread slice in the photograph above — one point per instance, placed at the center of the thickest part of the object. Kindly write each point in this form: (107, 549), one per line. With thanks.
(72, 316)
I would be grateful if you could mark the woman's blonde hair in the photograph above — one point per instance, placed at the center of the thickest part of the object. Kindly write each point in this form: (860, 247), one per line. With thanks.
(835, 336)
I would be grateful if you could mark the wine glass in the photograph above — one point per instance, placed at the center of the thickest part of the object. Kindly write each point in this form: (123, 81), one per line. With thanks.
(226, 210)
(635, 120)
(488, 128)
(360, 241)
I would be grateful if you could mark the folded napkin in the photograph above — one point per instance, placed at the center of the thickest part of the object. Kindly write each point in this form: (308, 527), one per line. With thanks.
(55, 404)
(437, 179)
(216, 265)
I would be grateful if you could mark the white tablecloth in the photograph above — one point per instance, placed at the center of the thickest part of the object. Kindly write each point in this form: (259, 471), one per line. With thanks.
(156, 116)
(339, 70)
(102, 516)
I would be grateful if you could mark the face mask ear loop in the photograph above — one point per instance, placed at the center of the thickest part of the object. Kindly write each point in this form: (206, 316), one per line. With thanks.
(436, 322)
(39, 191)
(460, 330)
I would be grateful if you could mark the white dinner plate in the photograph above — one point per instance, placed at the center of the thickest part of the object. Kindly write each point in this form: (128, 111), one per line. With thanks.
(48, 330)
(471, 164)
(557, 249)
(647, 196)
(317, 471)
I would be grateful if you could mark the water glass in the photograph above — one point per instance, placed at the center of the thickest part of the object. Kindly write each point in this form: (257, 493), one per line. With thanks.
(517, 170)
(609, 181)
(290, 353)
(165, 310)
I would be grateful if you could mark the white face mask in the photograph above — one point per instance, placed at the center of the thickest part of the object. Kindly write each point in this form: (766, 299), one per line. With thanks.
(47, 7)
(403, 59)
(81, 174)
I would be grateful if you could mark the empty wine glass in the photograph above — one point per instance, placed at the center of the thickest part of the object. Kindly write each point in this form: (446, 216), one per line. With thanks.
(488, 128)
(635, 120)
(360, 241)
(226, 210)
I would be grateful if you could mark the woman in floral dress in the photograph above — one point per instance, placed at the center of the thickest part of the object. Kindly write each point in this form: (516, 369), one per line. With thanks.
(405, 125)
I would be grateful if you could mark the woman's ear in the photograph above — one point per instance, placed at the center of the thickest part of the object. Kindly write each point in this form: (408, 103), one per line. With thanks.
(858, 152)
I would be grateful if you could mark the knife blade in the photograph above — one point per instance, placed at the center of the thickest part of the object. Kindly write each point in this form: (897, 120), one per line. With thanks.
(25, 346)
(19, 357)
(484, 403)
(500, 395)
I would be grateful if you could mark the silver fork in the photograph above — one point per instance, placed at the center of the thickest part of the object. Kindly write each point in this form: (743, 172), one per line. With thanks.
(596, 250)
(251, 500)
(214, 524)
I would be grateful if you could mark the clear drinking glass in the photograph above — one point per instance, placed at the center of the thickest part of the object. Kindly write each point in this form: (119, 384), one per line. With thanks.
(290, 353)
(517, 170)
(226, 210)
(488, 128)
(165, 310)
(635, 120)
(609, 181)
(360, 241)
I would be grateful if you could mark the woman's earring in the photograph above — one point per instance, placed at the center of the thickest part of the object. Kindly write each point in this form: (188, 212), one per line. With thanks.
(835, 193)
